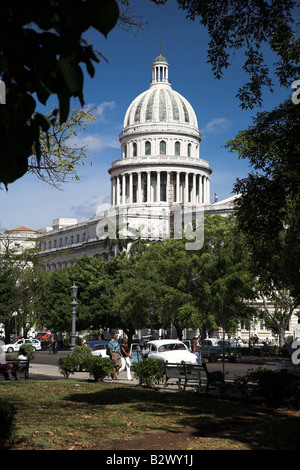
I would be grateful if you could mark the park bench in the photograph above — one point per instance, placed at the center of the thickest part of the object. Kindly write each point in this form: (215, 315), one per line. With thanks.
(190, 375)
(20, 368)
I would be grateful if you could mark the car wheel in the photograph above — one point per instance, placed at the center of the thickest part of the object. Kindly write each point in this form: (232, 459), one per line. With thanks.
(212, 358)
(9, 350)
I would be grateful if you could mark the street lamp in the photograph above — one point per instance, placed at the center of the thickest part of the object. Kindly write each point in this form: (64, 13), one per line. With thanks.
(73, 290)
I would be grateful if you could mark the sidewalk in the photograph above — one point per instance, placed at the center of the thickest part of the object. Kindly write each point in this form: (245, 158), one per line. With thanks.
(51, 372)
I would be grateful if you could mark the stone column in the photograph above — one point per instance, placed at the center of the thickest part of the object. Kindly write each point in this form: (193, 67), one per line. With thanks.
(124, 189)
(139, 187)
(113, 191)
(158, 186)
(186, 188)
(168, 187)
(118, 190)
(194, 189)
(178, 186)
(130, 192)
(149, 187)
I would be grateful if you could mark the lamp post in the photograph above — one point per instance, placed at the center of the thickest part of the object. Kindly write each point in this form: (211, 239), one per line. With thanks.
(73, 290)
(151, 317)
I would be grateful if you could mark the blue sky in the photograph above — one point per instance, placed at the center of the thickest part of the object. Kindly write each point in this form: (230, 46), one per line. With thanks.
(127, 73)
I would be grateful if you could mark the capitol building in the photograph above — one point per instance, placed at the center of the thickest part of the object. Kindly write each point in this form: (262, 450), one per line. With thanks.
(158, 185)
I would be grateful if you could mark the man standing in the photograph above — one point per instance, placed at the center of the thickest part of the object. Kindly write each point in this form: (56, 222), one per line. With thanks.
(115, 354)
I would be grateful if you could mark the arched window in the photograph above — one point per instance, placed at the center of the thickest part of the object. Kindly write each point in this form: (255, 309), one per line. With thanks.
(177, 148)
(134, 149)
(147, 148)
(162, 147)
(189, 148)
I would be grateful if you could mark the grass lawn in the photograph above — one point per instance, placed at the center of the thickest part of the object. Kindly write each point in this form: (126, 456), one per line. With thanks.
(71, 415)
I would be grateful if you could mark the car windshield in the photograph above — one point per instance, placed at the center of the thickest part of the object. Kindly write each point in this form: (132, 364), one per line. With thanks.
(172, 347)
(100, 346)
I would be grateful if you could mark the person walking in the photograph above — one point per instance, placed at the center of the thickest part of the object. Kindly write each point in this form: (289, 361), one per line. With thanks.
(115, 354)
(126, 359)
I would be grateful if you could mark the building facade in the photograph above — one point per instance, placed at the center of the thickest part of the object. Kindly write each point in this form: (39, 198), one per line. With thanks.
(158, 183)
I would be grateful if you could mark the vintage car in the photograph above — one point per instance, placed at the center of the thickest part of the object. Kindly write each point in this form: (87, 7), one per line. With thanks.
(213, 349)
(99, 348)
(170, 350)
(12, 347)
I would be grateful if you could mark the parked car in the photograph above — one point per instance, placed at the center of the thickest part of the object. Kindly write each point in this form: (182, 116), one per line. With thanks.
(99, 349)
(170, 350)
(44, 336)
(12, 347)
(214, 349)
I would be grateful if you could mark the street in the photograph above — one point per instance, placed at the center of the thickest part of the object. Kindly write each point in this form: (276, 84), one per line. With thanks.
(239, 368)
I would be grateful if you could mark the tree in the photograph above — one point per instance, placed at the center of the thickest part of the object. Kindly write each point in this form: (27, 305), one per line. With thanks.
(269, 206)
(223, 281)
(254, 27)
(8, 299)
(17, 272)
(278, 308)
(52, 300)
(42, 47)
(59, 158)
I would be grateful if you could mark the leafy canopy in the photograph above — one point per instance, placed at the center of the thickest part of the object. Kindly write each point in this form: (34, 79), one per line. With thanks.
(42, 47)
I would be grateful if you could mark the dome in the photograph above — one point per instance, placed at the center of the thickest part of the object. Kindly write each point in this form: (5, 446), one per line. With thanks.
(160, 105)
(160, 58)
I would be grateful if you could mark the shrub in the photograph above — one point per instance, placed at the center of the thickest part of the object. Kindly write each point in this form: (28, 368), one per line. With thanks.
(99, 367)
(82, 354)
(28, 349)
(68, 365)
(7, 419)
(275, 387)
(149, 371)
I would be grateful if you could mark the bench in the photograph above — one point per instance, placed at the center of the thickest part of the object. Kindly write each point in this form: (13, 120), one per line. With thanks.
(15, 367)
(189, 375)
(174, 373)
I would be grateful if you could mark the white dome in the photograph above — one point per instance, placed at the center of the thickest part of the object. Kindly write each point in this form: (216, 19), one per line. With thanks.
(160, 105)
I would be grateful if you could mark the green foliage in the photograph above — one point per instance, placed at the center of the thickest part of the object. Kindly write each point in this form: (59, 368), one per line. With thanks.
(275, 387)
(29, 350)
(149, 371)
(82, 360)
(99, 367)
(7, 419)
(43, 59)
(68, 365)
(268, 211)
(82, 355)
(237, 27)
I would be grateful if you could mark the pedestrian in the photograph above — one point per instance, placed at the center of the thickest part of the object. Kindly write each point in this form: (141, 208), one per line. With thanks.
(20, 366)
(251, 344)
(115, 354)
(54, 345)
(145, 351)
(126, 359)
(196, 348)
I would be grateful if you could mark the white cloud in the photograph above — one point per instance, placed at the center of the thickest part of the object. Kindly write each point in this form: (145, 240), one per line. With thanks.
(90, 207)
(217, 125)
(102, 108)
(93, 142)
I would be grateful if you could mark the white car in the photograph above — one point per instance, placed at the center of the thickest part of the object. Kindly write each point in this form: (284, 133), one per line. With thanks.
(12, 347)
(100, 350)
(171, 350)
